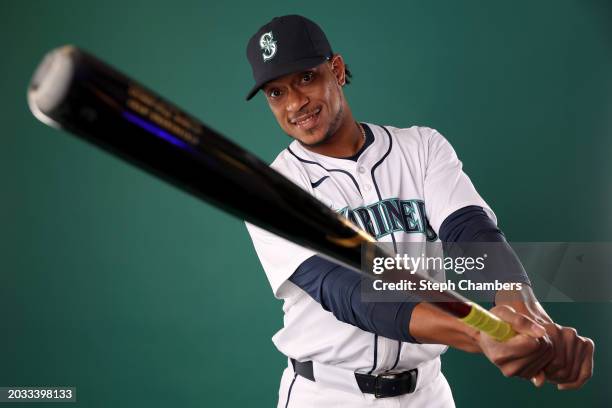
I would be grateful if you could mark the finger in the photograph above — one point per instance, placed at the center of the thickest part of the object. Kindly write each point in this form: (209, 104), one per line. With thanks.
(566, 354)
(518, 348)
(519, 322)
(586, 368)
(539, 379)
(575, 361)
(523, 368)
(533, 364)
(526, 365)
(539, 360)
(560, 365)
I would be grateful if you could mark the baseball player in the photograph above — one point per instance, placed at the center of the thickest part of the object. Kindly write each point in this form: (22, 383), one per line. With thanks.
(400, 185)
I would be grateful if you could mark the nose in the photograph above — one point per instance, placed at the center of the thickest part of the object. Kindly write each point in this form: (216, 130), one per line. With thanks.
(296, 100)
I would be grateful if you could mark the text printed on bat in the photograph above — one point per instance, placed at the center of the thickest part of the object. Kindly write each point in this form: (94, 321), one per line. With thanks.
(147, 106)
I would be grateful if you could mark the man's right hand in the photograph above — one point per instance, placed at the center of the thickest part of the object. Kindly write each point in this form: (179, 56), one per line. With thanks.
(524, 355)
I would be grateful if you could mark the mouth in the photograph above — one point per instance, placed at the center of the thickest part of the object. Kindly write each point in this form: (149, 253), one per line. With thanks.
(307, 121)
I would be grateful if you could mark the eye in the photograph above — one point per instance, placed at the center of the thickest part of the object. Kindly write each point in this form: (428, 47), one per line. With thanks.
(307, 77)
(274, 93)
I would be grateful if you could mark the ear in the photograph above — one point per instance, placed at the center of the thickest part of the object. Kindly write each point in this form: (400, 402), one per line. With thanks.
(338, 69)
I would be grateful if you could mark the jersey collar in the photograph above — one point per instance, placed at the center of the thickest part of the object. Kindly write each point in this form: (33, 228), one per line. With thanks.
(368, 157)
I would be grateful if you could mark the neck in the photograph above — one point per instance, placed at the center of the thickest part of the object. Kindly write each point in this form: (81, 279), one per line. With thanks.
(345, 142)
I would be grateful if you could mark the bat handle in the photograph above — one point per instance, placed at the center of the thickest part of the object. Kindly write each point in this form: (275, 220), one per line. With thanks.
(483, 320)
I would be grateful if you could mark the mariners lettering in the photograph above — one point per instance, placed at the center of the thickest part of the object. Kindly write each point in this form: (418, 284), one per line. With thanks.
(392, 215)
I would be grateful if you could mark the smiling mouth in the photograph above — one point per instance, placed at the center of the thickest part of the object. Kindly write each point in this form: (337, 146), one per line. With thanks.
(308, 120)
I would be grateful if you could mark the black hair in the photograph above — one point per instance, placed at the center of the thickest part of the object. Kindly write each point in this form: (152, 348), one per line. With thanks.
(347, 75)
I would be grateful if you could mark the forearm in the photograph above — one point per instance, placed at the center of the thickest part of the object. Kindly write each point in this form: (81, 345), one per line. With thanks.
(338, 290)
(433, 326)
(470, 232)
(523, 301)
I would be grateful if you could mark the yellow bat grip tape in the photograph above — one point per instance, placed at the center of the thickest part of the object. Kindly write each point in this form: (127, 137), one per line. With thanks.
(488, 323)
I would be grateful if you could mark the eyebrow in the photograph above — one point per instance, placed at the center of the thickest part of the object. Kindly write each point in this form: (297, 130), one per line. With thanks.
(274, 84)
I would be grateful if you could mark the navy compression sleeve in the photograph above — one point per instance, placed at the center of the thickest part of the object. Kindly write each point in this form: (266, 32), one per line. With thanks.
(338, 290)
(472, 224)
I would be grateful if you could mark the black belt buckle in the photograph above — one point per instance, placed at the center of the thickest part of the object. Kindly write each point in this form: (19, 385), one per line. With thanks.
(395, 384)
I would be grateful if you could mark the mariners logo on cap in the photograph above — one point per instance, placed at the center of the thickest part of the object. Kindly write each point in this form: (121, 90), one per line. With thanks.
(268, 45)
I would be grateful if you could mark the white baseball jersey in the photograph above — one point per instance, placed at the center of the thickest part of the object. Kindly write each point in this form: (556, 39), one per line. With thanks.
(406, 180)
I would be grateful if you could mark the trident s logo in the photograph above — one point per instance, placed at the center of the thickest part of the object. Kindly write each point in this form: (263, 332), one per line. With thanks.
(268, 45)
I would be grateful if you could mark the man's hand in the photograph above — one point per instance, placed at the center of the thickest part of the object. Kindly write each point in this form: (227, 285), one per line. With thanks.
(541, 351)
(526, 354)
(572, 364)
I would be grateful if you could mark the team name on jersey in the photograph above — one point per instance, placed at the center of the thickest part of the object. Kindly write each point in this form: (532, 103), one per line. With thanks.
(392, 215)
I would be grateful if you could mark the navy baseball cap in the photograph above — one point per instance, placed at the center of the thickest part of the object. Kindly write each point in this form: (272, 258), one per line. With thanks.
(283, 46)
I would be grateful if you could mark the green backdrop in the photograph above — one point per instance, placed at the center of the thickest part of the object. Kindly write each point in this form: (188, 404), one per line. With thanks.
(139, 295)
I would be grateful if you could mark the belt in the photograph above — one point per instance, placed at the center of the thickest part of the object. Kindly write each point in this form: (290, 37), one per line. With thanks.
(382, 385)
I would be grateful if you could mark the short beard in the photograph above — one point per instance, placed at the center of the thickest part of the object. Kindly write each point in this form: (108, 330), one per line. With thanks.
(331, 130)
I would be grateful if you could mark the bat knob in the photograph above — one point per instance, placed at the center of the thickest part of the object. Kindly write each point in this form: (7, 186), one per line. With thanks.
(50, 83)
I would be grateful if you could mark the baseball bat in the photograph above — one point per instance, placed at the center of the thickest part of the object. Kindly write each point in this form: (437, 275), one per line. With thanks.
(74, 91)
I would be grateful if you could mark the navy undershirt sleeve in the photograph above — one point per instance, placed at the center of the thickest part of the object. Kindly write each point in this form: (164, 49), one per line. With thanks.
(472, 224)
(338, 290)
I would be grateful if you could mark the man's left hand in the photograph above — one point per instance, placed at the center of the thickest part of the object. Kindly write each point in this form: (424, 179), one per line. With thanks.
(572, 364)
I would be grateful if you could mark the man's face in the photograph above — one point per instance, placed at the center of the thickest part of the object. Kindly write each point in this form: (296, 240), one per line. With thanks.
(308, 105)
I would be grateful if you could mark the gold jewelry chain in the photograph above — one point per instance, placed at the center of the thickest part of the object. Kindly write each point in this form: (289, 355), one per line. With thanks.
(362, 130)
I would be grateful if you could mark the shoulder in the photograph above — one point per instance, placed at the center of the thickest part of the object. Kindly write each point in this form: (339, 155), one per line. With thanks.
(287, 162)
(415, 138)
(412, 133)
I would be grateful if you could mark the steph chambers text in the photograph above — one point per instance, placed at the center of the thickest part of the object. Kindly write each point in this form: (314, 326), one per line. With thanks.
(427, 285)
